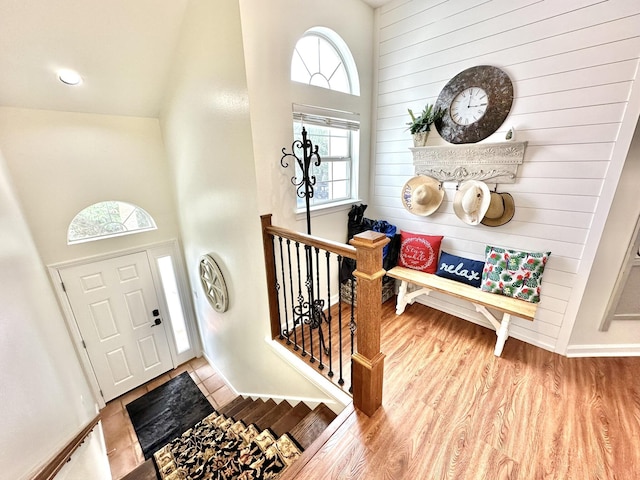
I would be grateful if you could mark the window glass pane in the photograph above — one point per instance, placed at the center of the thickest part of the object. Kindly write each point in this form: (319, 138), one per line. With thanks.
(170, 288)
(299, 72)
(340, 190)
(319, 80)
(339, 146)
(340, 171)
(108, 219)
(340, 80)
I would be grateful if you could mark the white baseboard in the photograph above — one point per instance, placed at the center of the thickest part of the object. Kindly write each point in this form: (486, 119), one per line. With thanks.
(621, 350)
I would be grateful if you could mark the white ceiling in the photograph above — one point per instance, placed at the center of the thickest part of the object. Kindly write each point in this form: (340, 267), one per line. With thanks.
(122, 48)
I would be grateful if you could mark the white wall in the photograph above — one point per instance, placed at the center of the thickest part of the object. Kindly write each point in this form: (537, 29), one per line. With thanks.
(573, 65)
(62, 162)
(270, 31)
(207, 134)
(89, 461)
(44, 396)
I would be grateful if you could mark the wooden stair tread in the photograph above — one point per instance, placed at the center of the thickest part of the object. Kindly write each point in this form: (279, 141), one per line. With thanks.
(232, 404)
(273, 415)
(312, 425)
(258, 412)
(246, 411)
(289, 421)
(233, 411)
(145, 471)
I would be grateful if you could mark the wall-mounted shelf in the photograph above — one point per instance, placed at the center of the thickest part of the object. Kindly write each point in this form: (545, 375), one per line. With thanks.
(494, 162)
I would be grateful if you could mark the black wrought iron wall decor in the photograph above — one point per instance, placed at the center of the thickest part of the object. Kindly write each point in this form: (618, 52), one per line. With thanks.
(304, 186)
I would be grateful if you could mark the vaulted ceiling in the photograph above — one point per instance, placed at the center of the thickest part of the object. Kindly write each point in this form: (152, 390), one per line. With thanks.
(123, 49)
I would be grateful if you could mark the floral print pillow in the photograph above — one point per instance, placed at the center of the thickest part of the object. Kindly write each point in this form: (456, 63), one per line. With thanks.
(514, 273)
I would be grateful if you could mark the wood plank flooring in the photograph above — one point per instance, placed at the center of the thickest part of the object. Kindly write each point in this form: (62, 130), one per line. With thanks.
(452, 410)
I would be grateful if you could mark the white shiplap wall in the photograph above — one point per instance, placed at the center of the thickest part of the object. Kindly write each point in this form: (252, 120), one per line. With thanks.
(572, 63)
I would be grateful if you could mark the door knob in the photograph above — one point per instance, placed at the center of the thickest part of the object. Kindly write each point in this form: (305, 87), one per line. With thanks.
(156, 321)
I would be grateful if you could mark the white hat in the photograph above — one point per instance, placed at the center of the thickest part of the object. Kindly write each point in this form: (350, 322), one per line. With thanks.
(472, 201)
(422, 195)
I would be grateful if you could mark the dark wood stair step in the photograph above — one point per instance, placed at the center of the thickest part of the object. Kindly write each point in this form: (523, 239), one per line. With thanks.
(258, 412)
(246, 411)
(273, 415)
(231, 412)
(312, 425)
(146, 471)
(289, 421)
(232, 404)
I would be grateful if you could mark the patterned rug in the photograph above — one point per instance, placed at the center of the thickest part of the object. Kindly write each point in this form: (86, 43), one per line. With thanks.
(219, 448)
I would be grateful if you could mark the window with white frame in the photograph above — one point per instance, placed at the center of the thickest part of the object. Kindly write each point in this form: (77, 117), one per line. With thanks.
(322, 59)
(336, 138)
(108, 219)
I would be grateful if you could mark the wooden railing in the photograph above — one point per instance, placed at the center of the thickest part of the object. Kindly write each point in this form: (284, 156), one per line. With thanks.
(367, 365)
(55, 464)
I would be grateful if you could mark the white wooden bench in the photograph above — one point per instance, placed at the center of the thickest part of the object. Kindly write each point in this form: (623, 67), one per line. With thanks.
(480, 299)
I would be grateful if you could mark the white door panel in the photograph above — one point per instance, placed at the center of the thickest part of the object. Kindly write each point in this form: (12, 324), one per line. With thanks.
(113, 302)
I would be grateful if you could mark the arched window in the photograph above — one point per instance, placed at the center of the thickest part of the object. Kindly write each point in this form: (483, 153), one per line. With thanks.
(321, 58)
(108, 219)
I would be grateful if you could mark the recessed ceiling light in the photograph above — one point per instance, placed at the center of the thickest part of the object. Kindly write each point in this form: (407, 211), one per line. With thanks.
(69, 77)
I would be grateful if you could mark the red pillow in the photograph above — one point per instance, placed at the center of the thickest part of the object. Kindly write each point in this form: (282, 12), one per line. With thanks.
(419, 252)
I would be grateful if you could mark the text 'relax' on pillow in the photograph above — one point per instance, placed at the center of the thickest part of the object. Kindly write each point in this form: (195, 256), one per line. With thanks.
(514, 273)
(419, 252)
(460, 269)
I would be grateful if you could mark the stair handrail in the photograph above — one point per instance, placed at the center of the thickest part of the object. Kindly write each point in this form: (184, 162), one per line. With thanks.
(366, 249)
(51, 468)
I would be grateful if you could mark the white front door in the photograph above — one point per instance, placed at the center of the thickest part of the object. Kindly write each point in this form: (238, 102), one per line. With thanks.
(116, 309)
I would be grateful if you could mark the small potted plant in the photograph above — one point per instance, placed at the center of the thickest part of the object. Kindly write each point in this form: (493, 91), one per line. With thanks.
(420, 125)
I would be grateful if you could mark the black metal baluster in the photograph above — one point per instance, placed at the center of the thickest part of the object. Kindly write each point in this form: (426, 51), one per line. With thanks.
(302, 306)
(310, 295)
(277, 285)
(329, 353)
(284, 295)
(319, 310)
(293, 319)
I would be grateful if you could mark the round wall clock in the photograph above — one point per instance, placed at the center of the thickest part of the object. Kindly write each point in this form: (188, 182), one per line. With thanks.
(477, 101)
(213, 284)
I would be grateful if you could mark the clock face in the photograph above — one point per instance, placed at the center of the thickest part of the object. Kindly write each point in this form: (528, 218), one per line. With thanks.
(469, 106)
(477, 101)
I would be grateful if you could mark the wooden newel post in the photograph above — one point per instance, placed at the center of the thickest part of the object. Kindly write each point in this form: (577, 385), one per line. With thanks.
(270, 266)
(368, 362)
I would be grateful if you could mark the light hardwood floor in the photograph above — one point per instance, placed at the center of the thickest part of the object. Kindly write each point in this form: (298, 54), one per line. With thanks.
(452, 410)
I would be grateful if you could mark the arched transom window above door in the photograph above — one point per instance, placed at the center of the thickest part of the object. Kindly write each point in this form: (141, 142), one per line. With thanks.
(111, 218)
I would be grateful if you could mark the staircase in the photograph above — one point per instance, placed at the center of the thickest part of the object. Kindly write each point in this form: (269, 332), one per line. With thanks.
(302, 424)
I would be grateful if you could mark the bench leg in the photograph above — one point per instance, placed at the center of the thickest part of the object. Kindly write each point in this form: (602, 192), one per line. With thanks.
(401, 303)
(503, 334)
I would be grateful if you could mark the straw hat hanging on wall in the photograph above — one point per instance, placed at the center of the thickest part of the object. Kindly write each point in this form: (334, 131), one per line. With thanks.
(472, 201)
(422, 195)
(500, 211)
